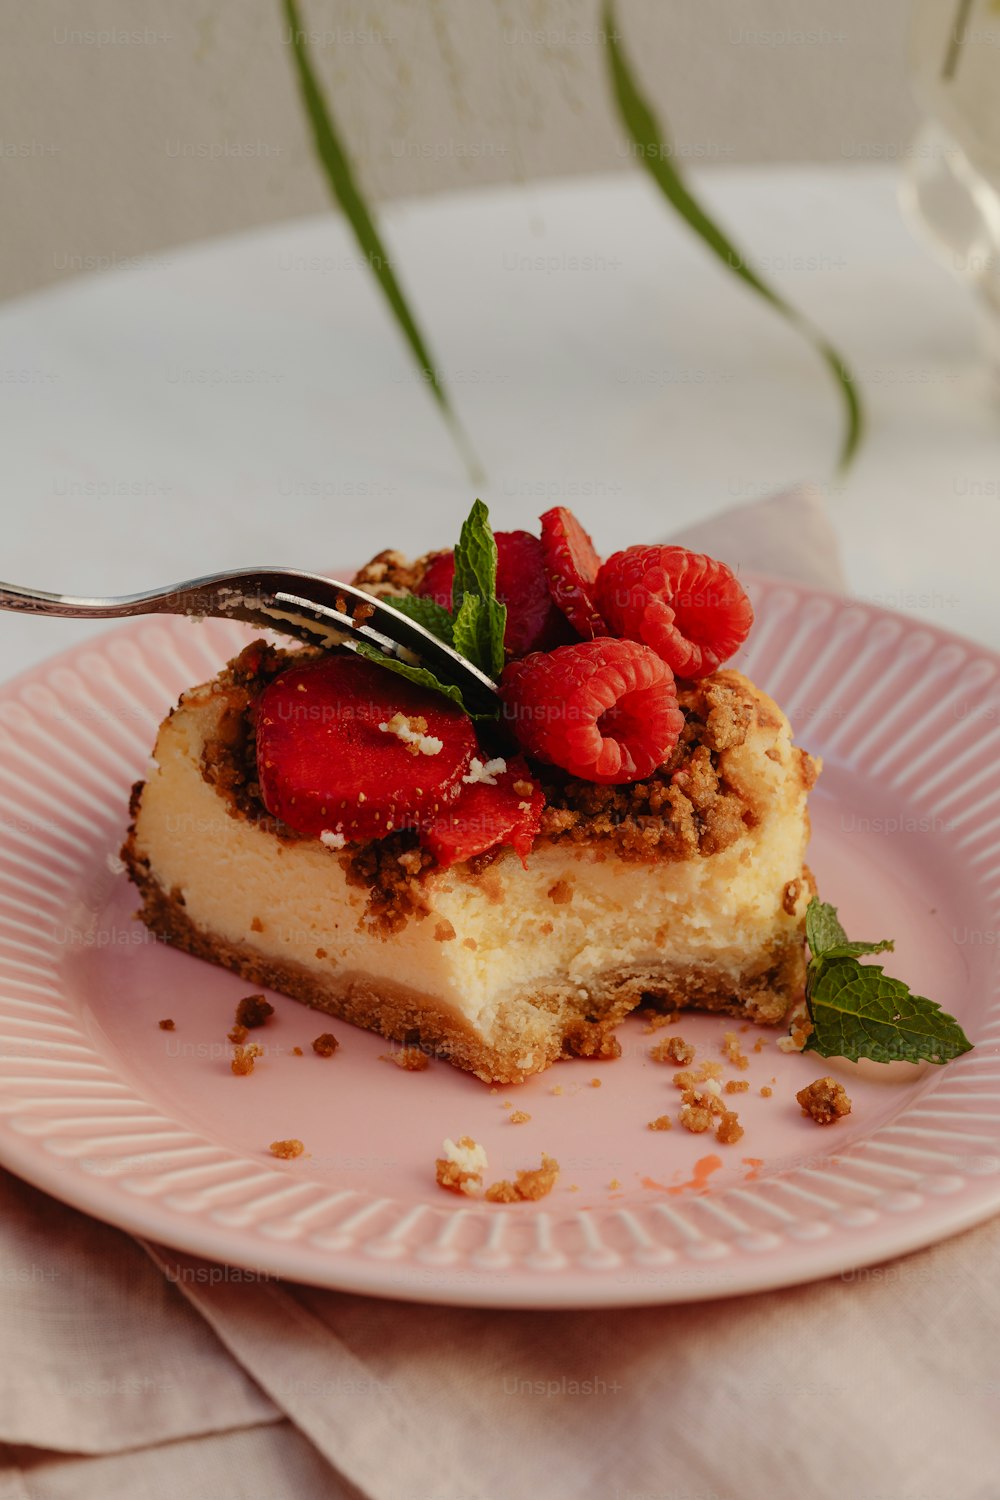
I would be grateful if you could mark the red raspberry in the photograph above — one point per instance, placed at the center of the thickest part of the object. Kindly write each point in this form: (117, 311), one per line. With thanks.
(571, 565)
(484, 815)
(604, 710)
(533, 621)
(326, 763)
(689, 608)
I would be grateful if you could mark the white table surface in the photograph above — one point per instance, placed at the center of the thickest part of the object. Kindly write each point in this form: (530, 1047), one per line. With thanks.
(248, 400)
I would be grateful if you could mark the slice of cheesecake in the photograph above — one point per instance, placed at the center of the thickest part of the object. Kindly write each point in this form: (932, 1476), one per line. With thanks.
(688, 888)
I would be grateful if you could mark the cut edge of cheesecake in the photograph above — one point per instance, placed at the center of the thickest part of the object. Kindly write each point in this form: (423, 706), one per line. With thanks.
(506, 969)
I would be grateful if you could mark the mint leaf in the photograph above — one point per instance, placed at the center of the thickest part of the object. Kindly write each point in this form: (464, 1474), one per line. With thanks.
(827, 938)
(425, 612)
(823, 929)
(422, 676)
(478, 631)
(855, 950)
(483, 629)
(475, 558)
(859, 1011)
(470, 630)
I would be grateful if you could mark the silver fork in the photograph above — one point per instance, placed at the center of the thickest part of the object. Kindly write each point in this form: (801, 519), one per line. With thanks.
(305, 605)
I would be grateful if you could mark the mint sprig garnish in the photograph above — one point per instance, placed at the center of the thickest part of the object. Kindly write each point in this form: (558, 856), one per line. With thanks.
(425, 612)
(474, 626)
(857, 1010)
(480, 635)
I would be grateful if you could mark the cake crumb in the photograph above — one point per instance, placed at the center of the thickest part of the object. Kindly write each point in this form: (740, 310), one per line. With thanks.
(237, 1033)
(595, 1083)
(737, 1085)
(286, 1149)
(734, 1052)
(486, 774)
(243, 1059)
(662, 1122)
(760, 1044)
(696, 1118)
(297, 1052)
(614, 1184)
(656, 1020)
(729, 1130)
(410, 1059)
(528, 1186)
(256, 925)
(166, 1024)
(253, 1011)
(824, 1100)
(799, 1031)
(520, 1117)
(411, 730)
(556, 1088)
(461, 1168)
(325, 1045)
(766, 1091)
(672, 1049)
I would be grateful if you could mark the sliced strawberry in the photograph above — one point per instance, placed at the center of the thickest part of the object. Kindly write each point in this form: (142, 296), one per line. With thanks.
(533, 621)
(484, 815)
(346, 748)
(571, 566)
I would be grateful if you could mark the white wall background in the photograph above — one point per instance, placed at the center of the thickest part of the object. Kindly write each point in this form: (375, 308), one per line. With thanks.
(127, 126)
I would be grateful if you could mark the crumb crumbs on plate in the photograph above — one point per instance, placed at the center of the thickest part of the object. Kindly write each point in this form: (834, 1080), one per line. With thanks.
(325, 1045)
(520, 1117)
(729, 1130)
(286, 1150)
(297, 1052)
(253, 1011)
(662, 1122)
(824, 1100)
(243, 1059)
(595, 1083)
(237, 1033)
(737, 1085)
(766, 1091)
(734, 1052)
(166, 1024)
(673, 1049)
(461, 1168)
(528, 1186)
(410, 1059)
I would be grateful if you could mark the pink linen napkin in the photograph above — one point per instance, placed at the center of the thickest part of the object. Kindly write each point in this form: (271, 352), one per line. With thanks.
(190, 1380)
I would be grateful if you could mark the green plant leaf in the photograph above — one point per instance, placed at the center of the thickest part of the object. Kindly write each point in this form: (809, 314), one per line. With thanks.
(823, 929)
(859, 1011)
(475, 557)
(476, 578)
(650, 141)
(425, 612)
(345, 189)
(422, 676)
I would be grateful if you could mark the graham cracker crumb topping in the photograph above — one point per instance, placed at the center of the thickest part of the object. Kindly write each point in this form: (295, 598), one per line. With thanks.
(824, 1101)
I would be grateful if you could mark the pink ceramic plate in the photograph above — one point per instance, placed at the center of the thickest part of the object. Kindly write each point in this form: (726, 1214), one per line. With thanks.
(149, 1129)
